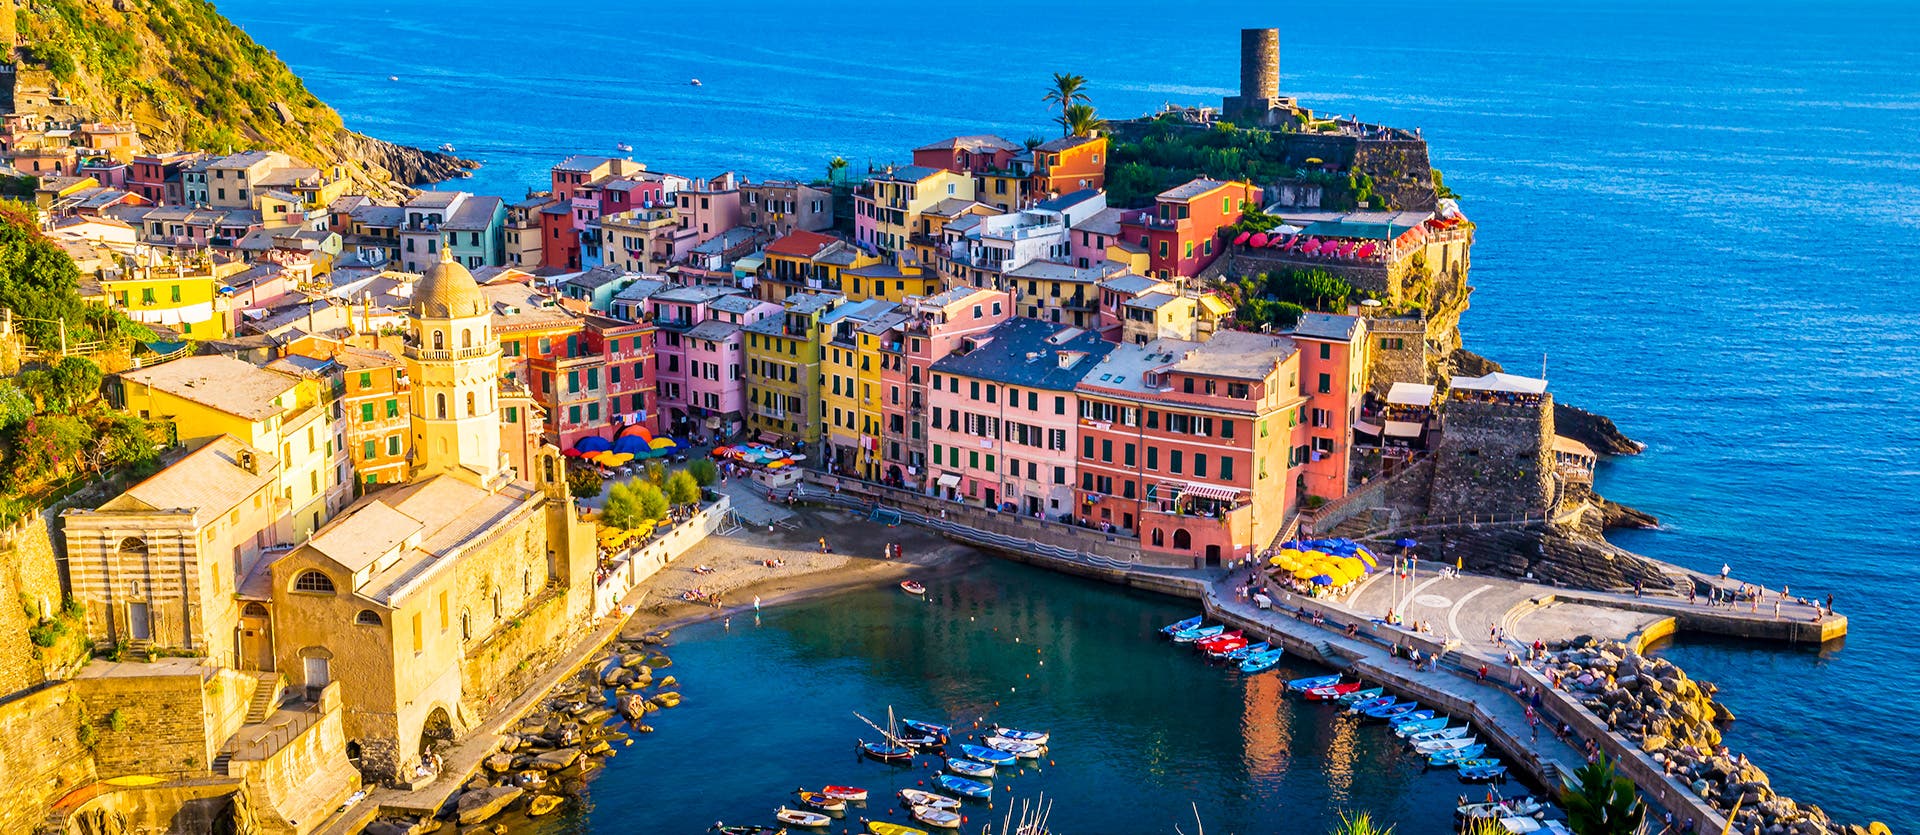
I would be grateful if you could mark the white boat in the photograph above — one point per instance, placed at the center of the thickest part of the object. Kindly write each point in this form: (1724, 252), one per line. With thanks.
(1525, 806)
(1035, 737)
(1023, 750)
(796, 817)
(916, 797)
(393, 78)
(1517, 825)
(941, 818)
(693, 82)
(1454, 732)
(447, 147)
(623, 147)
(1443, 744)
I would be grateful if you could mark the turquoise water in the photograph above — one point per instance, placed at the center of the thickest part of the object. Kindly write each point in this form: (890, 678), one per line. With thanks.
(1141, 727)
(1698, 215)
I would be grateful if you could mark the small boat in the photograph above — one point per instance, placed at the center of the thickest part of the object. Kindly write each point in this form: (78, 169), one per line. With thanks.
(1517, 825)
(884, 828)
(1180, 626)
(1017, 735)
(1023, 750)
(912, 587)
(1301, 685)
(1362, 695)
(1522, 805)
(623, 147)
(816, 800)
(1390, 711)
(963, 786)
(928, 728)
(917, 740)
(693, 82)
(1250, 649)
(393, 78)
(1483, 773)
(887, 753)
(1454, 732)
(1418, 726)
(917, 798)
(1327, 694)
(941, 818)
(1452, 759)
(748, 829)
(1216, 640)
(447, 147)
(1222, 649)
(845, 793)
(1262, 662)
(970, 768)
(987, 755)
(1188, 636)
(1475, 762)
(1369, 704)
(1444, 744)
(1404, 718)
(798, 817)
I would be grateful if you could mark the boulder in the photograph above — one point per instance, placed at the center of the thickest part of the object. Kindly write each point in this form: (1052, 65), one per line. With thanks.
(556, 759)
(482, 804)
(499, 762)
(543, 803)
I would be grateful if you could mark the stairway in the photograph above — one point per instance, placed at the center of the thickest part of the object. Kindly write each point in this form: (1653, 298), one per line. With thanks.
(219, 766)
(266, 698)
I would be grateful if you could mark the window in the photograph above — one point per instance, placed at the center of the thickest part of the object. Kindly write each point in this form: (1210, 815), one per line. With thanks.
(1153, 458)
(1326, 351)
(1173, 461)
(372, 449)
(1326, 383)
(367, 617)
(366, 379)
(393, 408)
(366, 413)
(313, 581)
(1226, 468)
(1199, 465)
(393, 444)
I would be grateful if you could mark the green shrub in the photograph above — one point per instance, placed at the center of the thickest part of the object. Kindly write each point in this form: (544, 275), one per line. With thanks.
(704, 472)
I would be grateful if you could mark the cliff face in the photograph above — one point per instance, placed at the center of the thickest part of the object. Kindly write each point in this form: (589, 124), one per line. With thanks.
(1597, 431)
(192, 80)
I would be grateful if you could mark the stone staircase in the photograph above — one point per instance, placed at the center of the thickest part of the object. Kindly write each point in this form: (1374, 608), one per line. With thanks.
(266, 698)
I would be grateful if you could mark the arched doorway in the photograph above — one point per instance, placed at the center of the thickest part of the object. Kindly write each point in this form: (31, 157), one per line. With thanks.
(131, 558)
(1182, 540)
(436, 734)
(1213, 556)
(256, 638)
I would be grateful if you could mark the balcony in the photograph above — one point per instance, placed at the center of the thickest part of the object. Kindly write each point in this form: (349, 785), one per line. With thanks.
(418, 353)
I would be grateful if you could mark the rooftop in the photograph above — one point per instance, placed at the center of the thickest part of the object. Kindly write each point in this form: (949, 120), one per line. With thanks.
(1031, 354)
(695, 294)
(581, 163)
(209, 479)
(908, 174)
(1125, 368)
(1130, 284)
(1334, 326)
(1191, 189)
(1502, 382)
(448, 515)
(1065, 143)
(224, 383)
(800, 244)
(1240, 355)
(975, 143)
(1068, 200)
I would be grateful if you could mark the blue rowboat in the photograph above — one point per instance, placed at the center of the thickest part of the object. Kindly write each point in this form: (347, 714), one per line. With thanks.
(1262, 662)
(1392, 710)
(987, 755)
(1408, 728)
(1358, 696)
(1410, 716)
(1454, 732)
(1188, 636)
(1035, 737)
(1475, 762)
(1250, 649)
(970, 768)
(963, 786)
(928, 728)
(1449, 759)
(1301, 685)
(1369, 704)
(1180, 626)
(1483, 773)
(1023, 750)
(1438, 745)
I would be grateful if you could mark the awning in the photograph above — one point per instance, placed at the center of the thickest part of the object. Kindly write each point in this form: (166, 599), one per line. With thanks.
(769, 438)
(1365, 428)
(1404, 429)
(1208, 491)
(948, 480)
(1410, 394)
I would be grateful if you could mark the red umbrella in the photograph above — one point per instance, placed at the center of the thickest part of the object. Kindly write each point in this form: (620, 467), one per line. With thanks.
(1258, 240)
(1241, 238)
(1281, 241)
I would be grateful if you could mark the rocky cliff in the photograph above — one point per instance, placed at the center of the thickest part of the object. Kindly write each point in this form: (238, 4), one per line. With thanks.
(192, 80)
(1598, 432)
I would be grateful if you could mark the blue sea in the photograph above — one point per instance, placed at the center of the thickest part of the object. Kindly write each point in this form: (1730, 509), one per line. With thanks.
(1698, 218)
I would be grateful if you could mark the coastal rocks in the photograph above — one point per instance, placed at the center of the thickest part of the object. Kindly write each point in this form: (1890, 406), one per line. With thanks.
(556, 759)
(543, 804)
(1616, 515)
(1547, 553)
(480, 805)
(1596, 431)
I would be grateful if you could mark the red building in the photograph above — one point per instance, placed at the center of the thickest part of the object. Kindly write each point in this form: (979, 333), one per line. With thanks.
(596, 379)
(156, 177)
(1181, 233)
(968, 154)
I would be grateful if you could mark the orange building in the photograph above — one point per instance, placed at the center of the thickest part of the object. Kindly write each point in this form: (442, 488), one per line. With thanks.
(1069, 164)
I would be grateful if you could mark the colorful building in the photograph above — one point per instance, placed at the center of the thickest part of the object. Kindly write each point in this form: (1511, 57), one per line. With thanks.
(782, 207)
(783, 370)
(807, 262)
(1003, 413)
(1181, 232)
(936, 326)
(1069, 164)
(180, 293)
(887, 213)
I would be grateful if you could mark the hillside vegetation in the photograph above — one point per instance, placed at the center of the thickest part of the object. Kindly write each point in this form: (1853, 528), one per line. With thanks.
(192, 80)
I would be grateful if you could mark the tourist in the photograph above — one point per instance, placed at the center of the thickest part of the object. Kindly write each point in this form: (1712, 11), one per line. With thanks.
(1725, 570)
(1483, 674)
(1690, 594)
(1829, 604)
(1636, 587)
(1783, 591)
(823, 545)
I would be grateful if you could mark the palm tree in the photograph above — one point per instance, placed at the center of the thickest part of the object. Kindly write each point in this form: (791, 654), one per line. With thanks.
(1067, 90)
(1601, 801)
(835, 166)
(1081, 120)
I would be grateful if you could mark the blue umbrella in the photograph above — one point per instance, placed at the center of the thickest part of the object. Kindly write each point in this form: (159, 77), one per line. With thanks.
(593, 443)
(1407, 543)
(1322, 580)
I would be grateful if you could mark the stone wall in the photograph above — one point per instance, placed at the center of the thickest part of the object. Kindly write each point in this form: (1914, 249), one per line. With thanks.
(1398, 353)
(40, 754)
(305, 779)
(29, 592)
(170, 724)
(1402, 174)
(1495, 459)
(206, 806)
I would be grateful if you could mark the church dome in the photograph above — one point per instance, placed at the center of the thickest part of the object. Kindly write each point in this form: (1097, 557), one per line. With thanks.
(448, 291)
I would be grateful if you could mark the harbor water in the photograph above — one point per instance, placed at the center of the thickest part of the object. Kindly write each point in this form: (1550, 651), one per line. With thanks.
(1695, 217)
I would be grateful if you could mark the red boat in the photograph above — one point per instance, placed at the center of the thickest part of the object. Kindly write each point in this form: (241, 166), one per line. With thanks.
(844, 793)
(1220, 649)
(1208, 644)
(1322, 694)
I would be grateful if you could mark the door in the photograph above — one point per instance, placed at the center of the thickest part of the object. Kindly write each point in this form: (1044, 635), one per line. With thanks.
(316, 670)
(256, 638)
(139, 622)
(1213, 556)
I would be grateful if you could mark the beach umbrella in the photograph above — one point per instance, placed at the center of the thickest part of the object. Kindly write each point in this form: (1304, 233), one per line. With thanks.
(1241, 238)
(1407, 543)
(593, 443)
(1258, 240)
(573, 453)
(663, 443)
(1322, 580)
(637, 429)
(631, 444)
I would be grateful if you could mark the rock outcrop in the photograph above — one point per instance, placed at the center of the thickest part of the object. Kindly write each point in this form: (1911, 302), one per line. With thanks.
(1551, 554)
(1597, 431)
(1616, 515)
(1674, 719)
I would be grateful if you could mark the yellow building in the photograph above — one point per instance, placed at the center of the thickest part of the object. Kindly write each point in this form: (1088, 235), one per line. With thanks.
(291, 418)
(888, 215)
(159, 564)
(850, 369)
(891, 282)
(181, 294)
(807, 262)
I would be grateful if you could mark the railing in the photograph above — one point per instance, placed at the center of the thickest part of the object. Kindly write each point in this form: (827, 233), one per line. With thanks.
(968, 532)
(416, 352)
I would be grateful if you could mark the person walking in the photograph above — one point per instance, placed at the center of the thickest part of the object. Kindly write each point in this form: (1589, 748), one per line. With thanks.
(1829, 603)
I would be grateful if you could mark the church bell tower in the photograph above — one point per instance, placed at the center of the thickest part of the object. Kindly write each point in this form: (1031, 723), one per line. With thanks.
(453, 358)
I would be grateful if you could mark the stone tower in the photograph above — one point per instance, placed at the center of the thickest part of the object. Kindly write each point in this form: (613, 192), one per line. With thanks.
(1496, 456)
(453, 358)
(1259, 65)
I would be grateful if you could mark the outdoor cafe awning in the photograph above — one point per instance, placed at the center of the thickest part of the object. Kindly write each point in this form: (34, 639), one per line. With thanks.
(1365, 427)
(1404, 429)
(948, 480)
(1410, 394)
(1208, 491)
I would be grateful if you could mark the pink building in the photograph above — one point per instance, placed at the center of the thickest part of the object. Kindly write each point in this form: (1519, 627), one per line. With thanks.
(707, 208)
(702, 380)
(1089, 238)
(1004, 413)
(933, 327)
(1332, 370)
